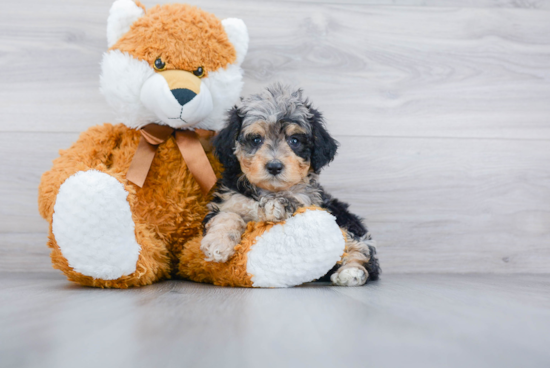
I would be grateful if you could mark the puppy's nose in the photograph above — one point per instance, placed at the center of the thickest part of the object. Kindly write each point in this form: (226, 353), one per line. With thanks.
(274, 167)
(183, 95)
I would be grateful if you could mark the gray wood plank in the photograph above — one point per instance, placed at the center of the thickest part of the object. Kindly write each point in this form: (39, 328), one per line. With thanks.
(402, 320)
(24, 252)
(433, 205)
(25, 157)
(521, 4)
(449, 204)
(374, 70)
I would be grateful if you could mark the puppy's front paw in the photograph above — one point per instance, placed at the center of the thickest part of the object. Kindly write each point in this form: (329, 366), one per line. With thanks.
(273, 209)
(349, 276)
(219, 246)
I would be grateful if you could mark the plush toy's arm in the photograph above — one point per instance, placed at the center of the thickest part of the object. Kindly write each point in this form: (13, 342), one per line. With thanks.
(92, 150)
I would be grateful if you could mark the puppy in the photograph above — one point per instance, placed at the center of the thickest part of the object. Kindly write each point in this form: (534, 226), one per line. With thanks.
(272, 150)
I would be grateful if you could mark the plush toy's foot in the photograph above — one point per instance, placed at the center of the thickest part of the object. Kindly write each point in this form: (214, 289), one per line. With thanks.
(301, 249)
(93, 226)
(349, 276)
(96, 236)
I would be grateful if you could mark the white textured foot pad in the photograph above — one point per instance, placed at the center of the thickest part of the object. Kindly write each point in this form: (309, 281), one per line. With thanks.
(93, 226)
(302, 249)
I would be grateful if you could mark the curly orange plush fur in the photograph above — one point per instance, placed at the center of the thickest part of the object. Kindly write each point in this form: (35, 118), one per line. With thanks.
(167, 211)
(233, 272)
(157, 36)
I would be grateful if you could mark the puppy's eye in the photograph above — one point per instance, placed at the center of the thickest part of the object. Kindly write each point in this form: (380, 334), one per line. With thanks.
(159, 64)
(293, 142)
(251, 140)
(199, 72)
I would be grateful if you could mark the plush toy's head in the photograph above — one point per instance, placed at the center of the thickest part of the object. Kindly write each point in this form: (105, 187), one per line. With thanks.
(174, 65)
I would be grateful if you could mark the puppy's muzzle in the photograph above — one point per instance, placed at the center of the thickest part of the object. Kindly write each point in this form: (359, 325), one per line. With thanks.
(274, 167)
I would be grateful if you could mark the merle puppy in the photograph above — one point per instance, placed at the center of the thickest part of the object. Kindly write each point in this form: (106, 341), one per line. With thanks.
(273, 149)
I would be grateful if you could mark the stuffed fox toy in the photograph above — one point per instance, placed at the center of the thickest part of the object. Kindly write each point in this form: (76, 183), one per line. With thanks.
(124, 202)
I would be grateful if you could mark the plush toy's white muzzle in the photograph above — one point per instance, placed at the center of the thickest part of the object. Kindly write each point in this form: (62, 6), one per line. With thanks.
(177, 98)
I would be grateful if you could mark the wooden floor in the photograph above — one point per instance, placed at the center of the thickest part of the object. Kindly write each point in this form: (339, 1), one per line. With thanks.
(401, 321)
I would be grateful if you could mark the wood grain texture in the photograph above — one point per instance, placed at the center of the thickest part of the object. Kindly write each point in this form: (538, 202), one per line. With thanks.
(24, 252)
(449, 205)
(433, 205)
(442, 110)
(514, 4)
(24, 158)
(424, 72)
(374, 70)
(402, 320)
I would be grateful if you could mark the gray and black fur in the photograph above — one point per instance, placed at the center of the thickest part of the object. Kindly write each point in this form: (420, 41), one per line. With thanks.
(280, 107)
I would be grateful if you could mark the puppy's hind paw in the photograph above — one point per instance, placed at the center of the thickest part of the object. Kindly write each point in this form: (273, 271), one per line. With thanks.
(349, 276)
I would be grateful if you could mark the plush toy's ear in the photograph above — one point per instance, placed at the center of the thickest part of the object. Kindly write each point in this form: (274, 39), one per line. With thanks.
(238, 35)
(324, 146)
(122, 15)
(226, 139)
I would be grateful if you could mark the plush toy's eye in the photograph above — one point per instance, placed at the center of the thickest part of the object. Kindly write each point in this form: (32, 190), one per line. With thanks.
(159, 64)
(199, 72)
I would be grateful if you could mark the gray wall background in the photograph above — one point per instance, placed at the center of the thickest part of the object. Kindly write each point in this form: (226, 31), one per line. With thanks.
(442, 109)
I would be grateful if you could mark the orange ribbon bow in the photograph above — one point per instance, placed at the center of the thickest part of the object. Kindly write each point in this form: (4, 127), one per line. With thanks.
(153, 135)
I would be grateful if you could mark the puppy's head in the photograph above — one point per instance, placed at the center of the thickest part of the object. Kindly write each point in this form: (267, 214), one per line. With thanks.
(275, 138)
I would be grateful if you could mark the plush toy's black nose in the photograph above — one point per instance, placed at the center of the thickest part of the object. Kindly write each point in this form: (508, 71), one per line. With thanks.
(183, 95)
(274, 167)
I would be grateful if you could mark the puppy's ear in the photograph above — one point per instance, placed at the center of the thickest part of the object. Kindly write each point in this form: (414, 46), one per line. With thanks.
(226, 139)
(324, 146)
